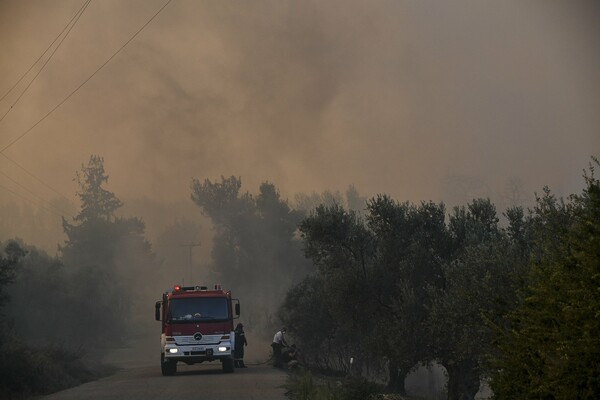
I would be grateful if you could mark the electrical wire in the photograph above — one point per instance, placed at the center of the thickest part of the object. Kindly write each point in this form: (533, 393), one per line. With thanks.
(85, 81)
(45, 51)
(75, 18)
(47, 61)
(33, 194)
(29, 200)
(34, 177)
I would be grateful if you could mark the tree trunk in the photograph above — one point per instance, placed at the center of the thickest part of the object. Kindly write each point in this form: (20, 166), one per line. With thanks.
(463, 381)
(396, 378)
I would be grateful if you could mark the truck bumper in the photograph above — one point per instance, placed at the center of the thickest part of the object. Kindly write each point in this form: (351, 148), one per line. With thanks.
(179, 348)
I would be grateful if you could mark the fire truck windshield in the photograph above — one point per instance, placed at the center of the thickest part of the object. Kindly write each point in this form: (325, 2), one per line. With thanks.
(197, 309)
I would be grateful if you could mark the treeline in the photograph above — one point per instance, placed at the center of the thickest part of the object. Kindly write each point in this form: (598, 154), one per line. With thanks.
(57, 310)
(391, 285)
(97, 292)
(409, 284)
(257, 251)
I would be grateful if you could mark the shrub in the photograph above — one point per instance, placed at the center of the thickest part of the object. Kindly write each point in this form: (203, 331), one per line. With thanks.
(303, 386)
(26, 370)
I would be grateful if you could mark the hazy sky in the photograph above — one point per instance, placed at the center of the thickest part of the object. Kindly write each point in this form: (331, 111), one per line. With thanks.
(391, 96)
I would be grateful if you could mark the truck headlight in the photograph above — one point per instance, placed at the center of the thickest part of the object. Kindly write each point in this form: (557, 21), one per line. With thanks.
(222, 348)
(173, 351)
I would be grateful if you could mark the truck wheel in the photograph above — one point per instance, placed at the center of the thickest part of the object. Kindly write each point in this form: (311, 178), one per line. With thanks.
(228, 365)
(167, 368)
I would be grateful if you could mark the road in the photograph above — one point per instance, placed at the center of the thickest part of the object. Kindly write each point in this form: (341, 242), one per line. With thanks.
(139, 377)
(191, 382)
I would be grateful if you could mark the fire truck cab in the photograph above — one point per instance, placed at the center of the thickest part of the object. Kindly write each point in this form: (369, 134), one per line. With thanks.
(197, 326)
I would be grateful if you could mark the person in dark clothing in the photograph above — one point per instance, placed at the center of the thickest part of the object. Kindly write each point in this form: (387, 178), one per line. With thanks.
(290, 357)
(240, 342)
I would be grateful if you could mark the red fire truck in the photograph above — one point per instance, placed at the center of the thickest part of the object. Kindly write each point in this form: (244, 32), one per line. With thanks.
(197, 326)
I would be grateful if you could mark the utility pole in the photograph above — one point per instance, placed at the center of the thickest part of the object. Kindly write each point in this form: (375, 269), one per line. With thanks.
(190, 246)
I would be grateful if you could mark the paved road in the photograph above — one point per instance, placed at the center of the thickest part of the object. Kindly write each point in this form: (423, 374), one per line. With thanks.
(202, 381)
(139, 377)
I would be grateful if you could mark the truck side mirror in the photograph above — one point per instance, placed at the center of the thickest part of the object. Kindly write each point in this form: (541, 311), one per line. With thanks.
(157, 311)
(237, 309)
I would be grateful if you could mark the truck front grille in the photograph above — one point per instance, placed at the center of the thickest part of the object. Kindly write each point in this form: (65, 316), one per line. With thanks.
(189, 340)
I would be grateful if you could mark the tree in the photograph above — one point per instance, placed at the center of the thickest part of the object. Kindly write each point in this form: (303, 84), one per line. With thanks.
(351, 199)
(39, 298)
(412, 243)
(309, 202)
(104, 256)
(340, 245)
(97, 203)
(375, 274)
(34, 359)
(9, 260)
(478, 283)
(306, 312)
(404, 288)
(255, 249)
(549, 347)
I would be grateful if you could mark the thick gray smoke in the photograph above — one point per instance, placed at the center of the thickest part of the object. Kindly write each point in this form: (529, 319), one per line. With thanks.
(394, 97)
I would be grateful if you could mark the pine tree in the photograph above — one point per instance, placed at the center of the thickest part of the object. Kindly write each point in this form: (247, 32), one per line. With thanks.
(104, 255)
(96, 202)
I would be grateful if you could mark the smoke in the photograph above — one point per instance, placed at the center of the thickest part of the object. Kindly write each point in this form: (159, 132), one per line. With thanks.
(390, 96)
(420, 100)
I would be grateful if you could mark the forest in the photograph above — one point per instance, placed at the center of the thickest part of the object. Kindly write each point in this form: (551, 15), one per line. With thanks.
(509, 297)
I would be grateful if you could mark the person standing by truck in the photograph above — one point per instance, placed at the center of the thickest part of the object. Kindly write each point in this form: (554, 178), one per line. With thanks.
(278, 344)
(240, 342)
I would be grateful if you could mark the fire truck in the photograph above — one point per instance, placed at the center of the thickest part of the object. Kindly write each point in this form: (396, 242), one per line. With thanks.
(197, 326)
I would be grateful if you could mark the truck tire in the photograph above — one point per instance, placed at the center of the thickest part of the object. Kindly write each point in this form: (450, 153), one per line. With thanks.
(228, 366)
(168, 368)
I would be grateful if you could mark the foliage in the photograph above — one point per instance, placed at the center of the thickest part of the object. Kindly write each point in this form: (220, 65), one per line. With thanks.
(9, 259)
(37, 305)
(336, 299)
(39, 298)
(61, 303)
(412, 244)
(96, 202)
(303, 386)
(368, 298)
(403, 286)
(255, 249)
(26, 371)
(351, 199)
(305, 312)
(549, 348)
(103, 256)
(477, 284)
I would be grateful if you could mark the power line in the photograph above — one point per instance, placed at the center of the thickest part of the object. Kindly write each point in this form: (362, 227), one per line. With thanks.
(85, 81)
(33, 194)
(34, 177)
(45, 51)
(80, 13)
(29, 200)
